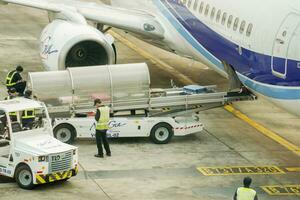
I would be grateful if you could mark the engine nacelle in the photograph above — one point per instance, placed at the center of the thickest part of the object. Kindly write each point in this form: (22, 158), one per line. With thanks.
(65, 44)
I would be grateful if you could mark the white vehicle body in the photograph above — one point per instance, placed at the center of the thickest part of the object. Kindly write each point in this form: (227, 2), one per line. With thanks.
(159, 129)
(33, 156)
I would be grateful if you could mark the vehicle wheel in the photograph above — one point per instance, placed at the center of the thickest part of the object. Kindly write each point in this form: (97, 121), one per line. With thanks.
(65, 133)
(24, 177)
(161, 133)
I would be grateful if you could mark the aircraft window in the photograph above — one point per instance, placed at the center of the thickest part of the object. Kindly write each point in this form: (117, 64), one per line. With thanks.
(196, 4)
(212, 14)
(201, 7)
(236, 23)
(206, 10)
(242, 27)
(224, 18)
(218, 15)
(189, 3)
(229, 22)
(249, 29)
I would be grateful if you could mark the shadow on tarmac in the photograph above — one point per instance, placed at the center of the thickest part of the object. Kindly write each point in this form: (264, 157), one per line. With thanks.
(4, 179)
(135, 140)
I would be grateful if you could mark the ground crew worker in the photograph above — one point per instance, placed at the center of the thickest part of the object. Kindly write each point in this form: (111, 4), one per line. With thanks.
(28, 116)
(102, 119)
(15, 80)
(245, 193)
(12, 93)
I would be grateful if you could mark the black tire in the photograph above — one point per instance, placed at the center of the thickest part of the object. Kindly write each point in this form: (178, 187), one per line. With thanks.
(161, 133)
(65, 133)
(24, 177)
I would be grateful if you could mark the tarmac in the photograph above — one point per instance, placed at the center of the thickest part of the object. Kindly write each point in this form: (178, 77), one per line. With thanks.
(209, 165)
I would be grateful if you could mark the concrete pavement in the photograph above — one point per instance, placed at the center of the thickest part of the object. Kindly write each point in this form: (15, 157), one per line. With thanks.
(139, 169)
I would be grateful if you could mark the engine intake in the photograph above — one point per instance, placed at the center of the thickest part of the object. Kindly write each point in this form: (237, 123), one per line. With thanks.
(65, 44)
(86, 53)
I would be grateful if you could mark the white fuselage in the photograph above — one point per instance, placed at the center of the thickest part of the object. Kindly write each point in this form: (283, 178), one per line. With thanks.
(258, 39)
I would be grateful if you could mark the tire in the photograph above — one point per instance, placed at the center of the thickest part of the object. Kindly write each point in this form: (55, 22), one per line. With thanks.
(65, 133)
(161, 133)
(24, 177)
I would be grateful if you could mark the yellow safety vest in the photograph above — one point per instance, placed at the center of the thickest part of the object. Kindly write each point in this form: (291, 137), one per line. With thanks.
(102, 123)
(9, 78)
(245, 193)
(28, 114)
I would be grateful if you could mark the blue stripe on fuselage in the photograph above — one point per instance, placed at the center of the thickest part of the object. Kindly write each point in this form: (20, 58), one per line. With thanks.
(208, 42)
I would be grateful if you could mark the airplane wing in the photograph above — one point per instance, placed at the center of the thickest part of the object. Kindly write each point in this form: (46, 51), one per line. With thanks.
(130, 20)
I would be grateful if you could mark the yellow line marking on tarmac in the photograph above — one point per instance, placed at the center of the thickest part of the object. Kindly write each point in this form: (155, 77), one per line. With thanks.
(186, 80)
(237, 170)
(264, 130)
(293, 169)
(282, 189)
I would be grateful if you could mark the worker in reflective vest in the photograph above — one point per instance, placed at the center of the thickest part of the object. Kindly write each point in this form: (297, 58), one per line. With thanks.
(28, 116)
(245, 193)
(102, 119)
(12, 93)
(15, 80)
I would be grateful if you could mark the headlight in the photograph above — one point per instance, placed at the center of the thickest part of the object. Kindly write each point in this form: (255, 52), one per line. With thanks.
(43, 159)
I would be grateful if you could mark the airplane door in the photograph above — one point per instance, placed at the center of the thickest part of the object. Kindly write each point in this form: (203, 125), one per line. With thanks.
(281, 44)
(294, 47)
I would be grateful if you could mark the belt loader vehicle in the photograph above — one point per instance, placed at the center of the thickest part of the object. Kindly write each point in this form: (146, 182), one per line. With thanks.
(138, 110)
(30, 154)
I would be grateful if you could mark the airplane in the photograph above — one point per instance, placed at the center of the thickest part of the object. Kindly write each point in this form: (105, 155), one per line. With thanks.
(253, 43)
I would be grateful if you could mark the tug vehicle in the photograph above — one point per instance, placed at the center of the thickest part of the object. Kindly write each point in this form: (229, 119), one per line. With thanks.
(28, 151)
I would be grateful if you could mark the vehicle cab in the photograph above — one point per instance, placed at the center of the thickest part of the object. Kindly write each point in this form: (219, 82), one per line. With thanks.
(28, 151)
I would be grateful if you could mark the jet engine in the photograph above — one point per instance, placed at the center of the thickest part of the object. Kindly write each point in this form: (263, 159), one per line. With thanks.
(66, 44)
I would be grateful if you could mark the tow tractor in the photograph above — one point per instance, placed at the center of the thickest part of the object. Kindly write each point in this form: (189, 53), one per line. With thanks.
(137, 109)
(30, 154)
